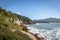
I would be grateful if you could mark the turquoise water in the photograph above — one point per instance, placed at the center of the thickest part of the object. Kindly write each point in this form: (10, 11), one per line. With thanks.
(50, 31)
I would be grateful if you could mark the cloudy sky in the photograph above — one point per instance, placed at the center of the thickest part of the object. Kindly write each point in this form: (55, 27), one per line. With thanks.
(34, 9)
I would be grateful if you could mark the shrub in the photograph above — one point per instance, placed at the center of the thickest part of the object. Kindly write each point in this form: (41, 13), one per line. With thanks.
(25, 29)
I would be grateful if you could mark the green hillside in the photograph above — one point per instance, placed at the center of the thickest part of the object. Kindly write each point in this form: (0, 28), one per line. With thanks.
(6, 25)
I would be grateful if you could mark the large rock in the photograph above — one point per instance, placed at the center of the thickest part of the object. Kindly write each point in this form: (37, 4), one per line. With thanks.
(39, 37)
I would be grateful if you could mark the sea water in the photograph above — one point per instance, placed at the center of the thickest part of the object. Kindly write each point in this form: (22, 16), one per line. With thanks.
(50, 31)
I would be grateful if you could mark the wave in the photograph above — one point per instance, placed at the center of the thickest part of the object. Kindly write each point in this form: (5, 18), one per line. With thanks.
(53, 34)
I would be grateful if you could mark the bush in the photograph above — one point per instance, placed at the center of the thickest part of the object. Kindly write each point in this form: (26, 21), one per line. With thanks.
(22, 36)
(6, 25)
(7, 35)
(25, 29)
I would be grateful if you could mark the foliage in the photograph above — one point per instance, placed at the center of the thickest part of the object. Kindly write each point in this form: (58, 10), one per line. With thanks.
(12, 15)
(6, 34)
(6, 24)
(25, 29)
(22, 36)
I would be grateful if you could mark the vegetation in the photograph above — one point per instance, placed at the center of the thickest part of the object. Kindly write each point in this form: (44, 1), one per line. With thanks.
(6, 34)
(9, 14)
(6, 25)
(22, 36)
(25, 29)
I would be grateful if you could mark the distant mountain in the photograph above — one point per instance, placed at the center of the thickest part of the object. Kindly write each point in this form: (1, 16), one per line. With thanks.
(47, 20)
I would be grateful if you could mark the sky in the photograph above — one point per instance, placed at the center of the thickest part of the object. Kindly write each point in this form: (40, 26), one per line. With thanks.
(34, 9)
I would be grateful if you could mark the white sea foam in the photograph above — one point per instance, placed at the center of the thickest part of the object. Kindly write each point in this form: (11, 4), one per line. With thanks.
(53, 34)
(37, 24)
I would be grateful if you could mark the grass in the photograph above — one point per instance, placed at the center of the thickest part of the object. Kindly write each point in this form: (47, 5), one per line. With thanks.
(22, 36)
(7, 34)
(6, 25)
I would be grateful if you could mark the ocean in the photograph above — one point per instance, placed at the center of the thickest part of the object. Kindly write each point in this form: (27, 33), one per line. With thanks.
(50, 31)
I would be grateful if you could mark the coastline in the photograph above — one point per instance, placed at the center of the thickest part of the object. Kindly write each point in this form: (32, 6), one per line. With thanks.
(37, 36)
(29, 34)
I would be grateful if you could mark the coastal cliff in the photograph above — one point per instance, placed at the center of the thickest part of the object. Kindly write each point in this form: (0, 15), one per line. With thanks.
(11, 21)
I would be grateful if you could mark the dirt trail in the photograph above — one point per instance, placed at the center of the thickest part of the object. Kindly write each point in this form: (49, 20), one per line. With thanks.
(30, 35)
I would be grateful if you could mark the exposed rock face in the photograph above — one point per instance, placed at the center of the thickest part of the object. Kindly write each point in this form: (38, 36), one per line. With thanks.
(38, 38)
(13, 30)
(18, 22)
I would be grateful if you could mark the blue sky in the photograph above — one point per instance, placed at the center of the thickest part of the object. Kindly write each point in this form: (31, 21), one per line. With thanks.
(34, 9)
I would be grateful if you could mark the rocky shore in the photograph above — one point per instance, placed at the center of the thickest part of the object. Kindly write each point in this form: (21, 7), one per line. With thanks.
(37, 36)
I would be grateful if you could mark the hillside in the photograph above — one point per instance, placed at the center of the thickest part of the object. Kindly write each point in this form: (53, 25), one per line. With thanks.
(47, 20)
(7, 24)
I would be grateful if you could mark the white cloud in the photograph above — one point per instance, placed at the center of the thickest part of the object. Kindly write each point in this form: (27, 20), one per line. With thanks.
(19, 13)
